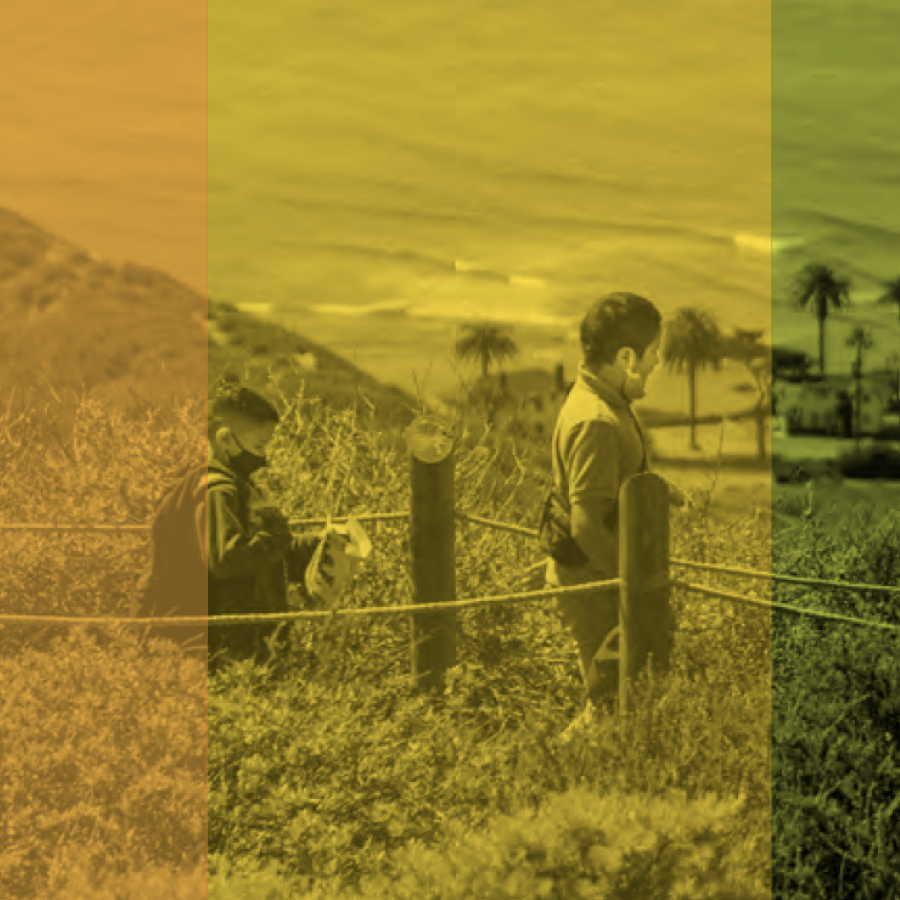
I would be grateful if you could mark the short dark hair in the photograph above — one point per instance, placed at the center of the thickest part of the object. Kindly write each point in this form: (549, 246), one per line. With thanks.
(619, 320)
(233, 401)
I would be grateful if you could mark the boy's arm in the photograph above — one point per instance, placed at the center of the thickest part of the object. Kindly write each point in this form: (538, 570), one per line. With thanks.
(299, 556)
(231, 550)
(593, 473)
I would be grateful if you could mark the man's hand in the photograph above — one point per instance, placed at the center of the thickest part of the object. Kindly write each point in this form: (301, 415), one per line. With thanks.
(677, 497)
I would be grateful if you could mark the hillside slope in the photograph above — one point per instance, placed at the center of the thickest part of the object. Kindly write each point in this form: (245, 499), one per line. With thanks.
(73, 319)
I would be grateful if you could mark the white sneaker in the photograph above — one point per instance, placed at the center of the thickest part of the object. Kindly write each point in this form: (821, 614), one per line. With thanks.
(590, 719)
(580, 724)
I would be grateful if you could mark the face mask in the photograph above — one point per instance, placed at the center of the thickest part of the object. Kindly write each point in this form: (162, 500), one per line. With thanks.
(633, 389)
(246, 463)
(632, 385)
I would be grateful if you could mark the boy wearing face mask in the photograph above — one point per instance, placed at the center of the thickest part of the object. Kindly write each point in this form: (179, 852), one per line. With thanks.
(597, 446)
(218, 547)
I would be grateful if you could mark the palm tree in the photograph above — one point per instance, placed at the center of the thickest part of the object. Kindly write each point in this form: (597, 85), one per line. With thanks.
(819, 288)
(693, 342)
(486, 344)
(745, 347)
(891, 296)
(860, 338)
(761, 369)
(893, 367)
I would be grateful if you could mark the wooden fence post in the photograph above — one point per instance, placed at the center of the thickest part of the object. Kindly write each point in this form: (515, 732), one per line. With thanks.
(645, 614)
(433, 548)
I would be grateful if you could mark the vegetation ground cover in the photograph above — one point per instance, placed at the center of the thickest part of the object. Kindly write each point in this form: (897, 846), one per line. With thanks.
(323, 775)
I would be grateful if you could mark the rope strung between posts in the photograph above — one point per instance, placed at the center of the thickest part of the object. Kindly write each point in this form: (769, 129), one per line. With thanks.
(498, 526)
(171, 622)
(143, 529)
(725, 570)
(366, 517)
(766, 604)
(787, 579)
(387, 611)
(114, 529)
(296, 523)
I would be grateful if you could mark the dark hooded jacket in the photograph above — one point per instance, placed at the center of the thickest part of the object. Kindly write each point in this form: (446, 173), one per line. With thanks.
(218, 548)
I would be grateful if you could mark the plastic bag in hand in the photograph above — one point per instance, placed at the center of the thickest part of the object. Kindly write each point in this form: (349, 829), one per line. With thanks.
(341, 552)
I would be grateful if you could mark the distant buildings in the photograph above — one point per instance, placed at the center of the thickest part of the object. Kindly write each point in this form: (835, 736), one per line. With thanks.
(529, 401)
(827, 405)
(790, 365)
(541, 404)
(523, 402)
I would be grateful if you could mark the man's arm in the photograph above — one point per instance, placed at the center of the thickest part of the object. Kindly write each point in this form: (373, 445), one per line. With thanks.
(231, 550)
(599, 542)
(593, 474)
(677, 497)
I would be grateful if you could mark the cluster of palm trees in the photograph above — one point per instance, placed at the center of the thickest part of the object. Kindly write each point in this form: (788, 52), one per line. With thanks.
(694, 342)
(820, 289)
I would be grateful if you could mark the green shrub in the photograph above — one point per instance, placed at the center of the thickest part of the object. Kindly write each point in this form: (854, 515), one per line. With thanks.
(836, 766)
(104, 755)
(582, 845)
(76, 882)
(577, 845)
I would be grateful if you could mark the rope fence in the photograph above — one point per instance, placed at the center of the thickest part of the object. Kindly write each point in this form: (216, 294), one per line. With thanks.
(787, 579)
(300, 615)
(145, 529)
(469, 602)
(785, 607)
(407, 609)
(503, 527)
(643, 585)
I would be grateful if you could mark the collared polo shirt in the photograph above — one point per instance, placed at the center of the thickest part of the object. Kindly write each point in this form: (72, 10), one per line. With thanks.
(597, 446)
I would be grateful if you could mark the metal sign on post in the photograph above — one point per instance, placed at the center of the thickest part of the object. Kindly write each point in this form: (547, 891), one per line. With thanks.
(431, 446)
(430, 439)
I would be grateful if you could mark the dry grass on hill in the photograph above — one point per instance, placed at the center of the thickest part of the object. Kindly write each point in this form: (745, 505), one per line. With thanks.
(126, 331)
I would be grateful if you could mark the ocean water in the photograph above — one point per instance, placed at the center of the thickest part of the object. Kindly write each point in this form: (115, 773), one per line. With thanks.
(378, 174)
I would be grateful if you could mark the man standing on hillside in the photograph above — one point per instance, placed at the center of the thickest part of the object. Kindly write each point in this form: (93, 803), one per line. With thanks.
(597, 446)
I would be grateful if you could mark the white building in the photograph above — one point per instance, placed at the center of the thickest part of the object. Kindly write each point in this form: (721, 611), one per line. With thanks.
(814, 405)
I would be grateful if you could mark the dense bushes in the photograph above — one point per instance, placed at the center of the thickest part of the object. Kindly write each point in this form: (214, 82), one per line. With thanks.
(871, 462)
(104, 759)
(836, 767)
(580, 845)
(103, 468)
(326, 767)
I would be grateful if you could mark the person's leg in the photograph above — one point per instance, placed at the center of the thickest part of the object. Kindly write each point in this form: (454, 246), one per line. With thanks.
(590, 619)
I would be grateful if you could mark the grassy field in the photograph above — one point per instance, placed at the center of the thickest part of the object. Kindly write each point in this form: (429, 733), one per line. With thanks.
(770, 748)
